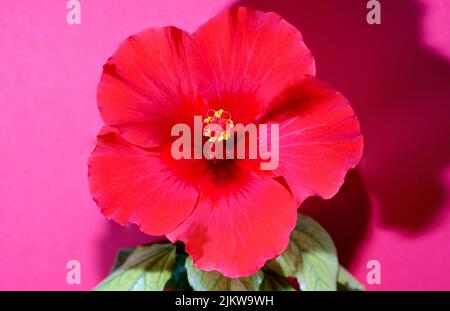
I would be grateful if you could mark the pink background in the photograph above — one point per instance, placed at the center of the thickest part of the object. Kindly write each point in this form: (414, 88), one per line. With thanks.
(394, 208)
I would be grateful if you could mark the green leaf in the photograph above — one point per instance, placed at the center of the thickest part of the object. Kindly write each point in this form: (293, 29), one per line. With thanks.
(121, 256)
(214, 281)
(310, 257)
(288, 262)
(319, 264)
(347, 282)
(146, 268)
(275, 282)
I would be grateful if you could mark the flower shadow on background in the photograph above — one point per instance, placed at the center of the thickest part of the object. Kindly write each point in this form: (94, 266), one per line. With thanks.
(399, 91)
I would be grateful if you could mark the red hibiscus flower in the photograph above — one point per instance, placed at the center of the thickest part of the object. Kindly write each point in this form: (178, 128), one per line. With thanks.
(231, 215)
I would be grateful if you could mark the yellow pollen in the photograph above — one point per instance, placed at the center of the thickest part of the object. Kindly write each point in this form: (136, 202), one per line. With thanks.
(217, 125)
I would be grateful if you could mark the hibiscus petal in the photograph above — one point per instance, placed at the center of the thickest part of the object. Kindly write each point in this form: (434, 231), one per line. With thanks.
(131, 185)
(146, 87)
(236, 234)
(319, 138)
(244, 56)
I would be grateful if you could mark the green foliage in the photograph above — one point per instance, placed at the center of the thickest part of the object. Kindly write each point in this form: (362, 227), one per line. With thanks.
(147, 268)
(214, 281)
(310, 258)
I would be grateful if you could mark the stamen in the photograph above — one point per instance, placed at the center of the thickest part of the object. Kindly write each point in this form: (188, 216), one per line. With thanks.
(217, 125)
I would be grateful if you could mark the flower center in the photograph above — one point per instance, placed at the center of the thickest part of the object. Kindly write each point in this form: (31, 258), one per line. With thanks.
(217, 125)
